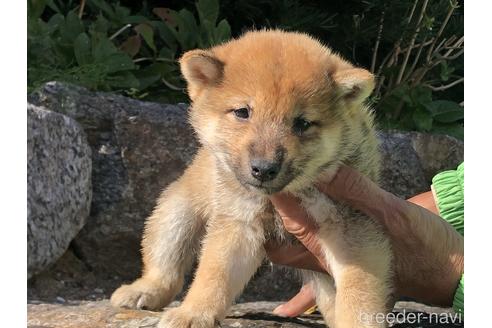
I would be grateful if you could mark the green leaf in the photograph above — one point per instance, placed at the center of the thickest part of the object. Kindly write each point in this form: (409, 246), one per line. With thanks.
(121, 13)
(208, 10)
(452, 129)
(222, 32)
(82, 49)
(167, 53)
(123, 80)
(187, 29)
(72, 28)
(53, 6)
(167, 34)
(135, 19)
(151, 74)
(101, 24)
(420, 96)
(102, 47)
(147, 32)
(35, 8)
(422, 119)
(206, 36)
(446, 71)
(402, 92)
(55, 23)
(406, 121)
(104, 7)
(445, 111)
(118, 62)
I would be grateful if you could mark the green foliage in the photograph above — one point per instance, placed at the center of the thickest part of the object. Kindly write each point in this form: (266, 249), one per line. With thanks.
(414, 47)
(113, 49)
(423, 67)
(418, 111)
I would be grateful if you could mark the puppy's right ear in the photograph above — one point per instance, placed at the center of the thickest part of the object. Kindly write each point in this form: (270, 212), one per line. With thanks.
(201, 69)
(354, 84)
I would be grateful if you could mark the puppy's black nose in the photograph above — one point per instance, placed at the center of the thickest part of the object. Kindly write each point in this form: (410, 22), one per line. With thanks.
(264, 170)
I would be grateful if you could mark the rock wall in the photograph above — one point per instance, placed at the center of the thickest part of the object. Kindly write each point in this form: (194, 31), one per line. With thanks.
(138, 148)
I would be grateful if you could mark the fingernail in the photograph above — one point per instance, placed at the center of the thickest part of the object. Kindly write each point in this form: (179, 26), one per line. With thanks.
(278, 311)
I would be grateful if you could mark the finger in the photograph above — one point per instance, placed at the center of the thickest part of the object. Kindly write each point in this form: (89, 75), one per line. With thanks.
(297, 305)
(425, 200)
(297, 222)
(291, 211)
(296, 256)
(357, 190)
(348, 185)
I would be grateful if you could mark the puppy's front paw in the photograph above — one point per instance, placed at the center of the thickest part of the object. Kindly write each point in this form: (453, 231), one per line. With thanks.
(184, 318)
(141, 295)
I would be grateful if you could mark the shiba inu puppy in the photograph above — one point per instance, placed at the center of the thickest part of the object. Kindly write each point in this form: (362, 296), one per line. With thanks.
(273, 111)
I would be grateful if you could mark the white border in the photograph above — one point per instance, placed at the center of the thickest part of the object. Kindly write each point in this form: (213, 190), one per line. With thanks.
(478, 129)
(14, 169)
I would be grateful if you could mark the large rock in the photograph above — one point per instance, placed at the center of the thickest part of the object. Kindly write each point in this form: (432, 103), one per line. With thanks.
(247, 315)
(411, 159)
(140, 147)
(58, 185)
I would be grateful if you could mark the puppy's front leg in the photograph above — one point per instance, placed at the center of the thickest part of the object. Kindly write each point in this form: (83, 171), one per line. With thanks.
(231, 253)
(172, 232)
(362, 295)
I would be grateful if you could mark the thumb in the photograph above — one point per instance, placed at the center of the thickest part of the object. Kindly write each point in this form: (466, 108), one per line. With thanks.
(349, 185)
(303, 301)
(295, 218)
(357, 190)
(297, 221)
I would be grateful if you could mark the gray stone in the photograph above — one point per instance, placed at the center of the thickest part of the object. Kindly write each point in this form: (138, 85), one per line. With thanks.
(140, 147)
(246, 315)
(411, 159)
(58, 185)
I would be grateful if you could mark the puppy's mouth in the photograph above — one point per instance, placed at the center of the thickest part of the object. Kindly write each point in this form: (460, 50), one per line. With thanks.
(286, 176)
(263, 187)
(268, 187)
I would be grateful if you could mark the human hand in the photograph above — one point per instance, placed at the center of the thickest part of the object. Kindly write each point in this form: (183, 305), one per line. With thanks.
(428, 251)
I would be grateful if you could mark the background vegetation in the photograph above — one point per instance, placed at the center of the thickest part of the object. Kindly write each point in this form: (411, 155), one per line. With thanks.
(415, 47)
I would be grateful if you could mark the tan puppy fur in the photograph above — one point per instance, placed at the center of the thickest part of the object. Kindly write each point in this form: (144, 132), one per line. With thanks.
(302, 111)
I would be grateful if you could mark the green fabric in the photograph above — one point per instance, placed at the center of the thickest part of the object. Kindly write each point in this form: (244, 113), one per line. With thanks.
(459, 297)
(449, 188)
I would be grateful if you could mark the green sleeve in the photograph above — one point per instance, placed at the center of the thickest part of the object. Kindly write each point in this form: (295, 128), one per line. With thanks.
(449, 190)
(450, 197)
(459, 297)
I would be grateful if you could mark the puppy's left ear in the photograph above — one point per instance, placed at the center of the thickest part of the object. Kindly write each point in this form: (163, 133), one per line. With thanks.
(201, 69)
(354, 84)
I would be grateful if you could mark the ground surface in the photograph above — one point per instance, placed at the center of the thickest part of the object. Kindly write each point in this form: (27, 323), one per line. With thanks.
(99, 314)
(71, 279)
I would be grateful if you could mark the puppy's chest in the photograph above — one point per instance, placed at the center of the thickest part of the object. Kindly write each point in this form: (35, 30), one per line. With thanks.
(256, 210)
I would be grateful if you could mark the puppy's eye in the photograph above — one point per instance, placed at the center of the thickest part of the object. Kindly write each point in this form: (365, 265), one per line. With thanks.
(241, 113)
(301, 125)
